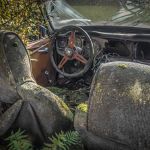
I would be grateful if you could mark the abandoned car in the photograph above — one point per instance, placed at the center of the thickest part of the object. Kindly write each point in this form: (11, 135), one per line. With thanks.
(110, 62)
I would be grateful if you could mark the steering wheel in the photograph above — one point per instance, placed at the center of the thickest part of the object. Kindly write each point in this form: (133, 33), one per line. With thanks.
(72, 54)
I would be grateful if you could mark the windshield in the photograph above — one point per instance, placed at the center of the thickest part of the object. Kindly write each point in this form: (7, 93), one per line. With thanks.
(98, 12)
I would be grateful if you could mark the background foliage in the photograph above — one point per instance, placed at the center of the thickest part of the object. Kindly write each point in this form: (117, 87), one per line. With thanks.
(24, 16)
(20, 16)
(18, 141)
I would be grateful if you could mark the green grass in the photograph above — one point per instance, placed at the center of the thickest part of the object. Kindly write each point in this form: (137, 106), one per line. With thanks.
(97, 13)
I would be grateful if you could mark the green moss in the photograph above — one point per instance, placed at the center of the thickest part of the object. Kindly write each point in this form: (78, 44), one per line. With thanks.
(64, 106)
(123, 66)
(58, 91)
(71, 97)
(83, 107)
(136, 91)
(98, 87)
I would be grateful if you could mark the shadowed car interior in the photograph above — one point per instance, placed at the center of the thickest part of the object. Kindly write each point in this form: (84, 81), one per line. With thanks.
(78, 45)
(104, 46)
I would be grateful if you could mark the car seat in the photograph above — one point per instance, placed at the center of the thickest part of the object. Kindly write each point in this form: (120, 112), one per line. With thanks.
(118, 114)
(23, 103)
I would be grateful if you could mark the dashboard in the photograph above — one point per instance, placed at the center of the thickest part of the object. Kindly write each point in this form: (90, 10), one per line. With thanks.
(80, 42)
(109, 44)
(100, 45)
(120, 47)
(106, 50)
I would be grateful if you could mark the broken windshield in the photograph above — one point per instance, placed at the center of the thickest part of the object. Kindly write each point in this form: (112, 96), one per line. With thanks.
(61, 14)
(108, 12)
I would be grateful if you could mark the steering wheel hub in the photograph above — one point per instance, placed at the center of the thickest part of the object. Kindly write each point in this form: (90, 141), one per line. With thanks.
(69, 52)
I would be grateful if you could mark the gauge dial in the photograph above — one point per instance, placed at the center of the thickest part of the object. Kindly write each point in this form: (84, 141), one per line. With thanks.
(62, 42)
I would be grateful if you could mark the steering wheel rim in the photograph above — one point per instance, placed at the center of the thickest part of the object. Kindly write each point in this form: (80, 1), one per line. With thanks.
(75, 55)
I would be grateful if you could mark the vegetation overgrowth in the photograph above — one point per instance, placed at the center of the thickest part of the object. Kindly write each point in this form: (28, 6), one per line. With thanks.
(62, 141)
(20, 16)
(24, 16)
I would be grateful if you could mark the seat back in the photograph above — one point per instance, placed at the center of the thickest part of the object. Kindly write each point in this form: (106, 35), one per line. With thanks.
(119, 104)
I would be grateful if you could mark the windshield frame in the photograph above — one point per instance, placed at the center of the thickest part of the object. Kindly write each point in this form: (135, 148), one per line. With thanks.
(52, 25)
(80, 20)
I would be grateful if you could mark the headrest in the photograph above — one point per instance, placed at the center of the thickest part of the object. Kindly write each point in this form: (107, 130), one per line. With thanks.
(16, 56)
(14, 64)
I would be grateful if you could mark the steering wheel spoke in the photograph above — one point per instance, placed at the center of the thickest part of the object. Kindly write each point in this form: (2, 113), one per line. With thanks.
(80, 58)
(72, 40)
(63, 62)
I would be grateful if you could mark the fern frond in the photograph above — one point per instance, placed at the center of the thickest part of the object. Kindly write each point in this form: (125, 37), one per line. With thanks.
(18, 141)
(63, 141)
